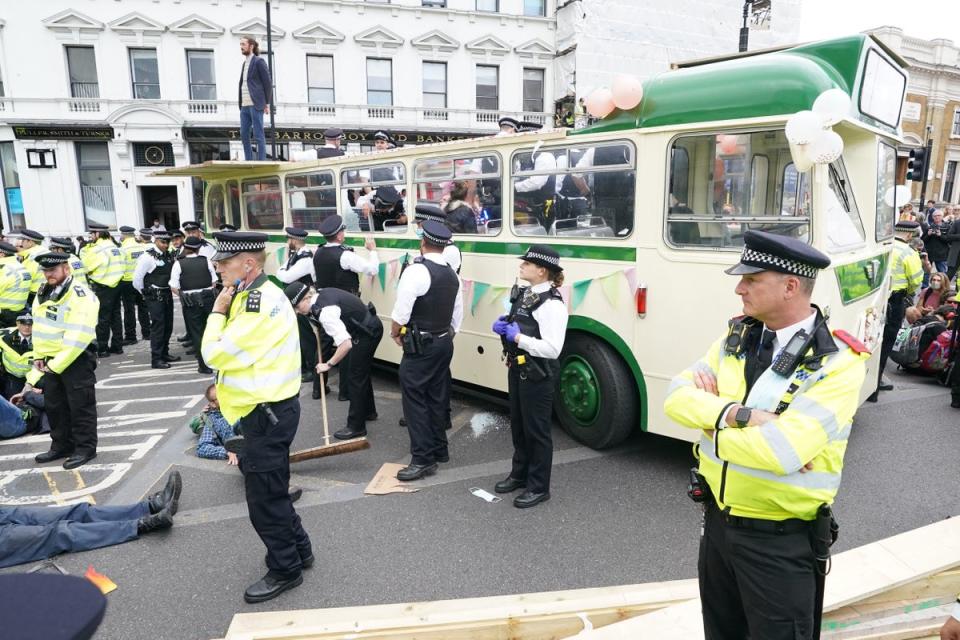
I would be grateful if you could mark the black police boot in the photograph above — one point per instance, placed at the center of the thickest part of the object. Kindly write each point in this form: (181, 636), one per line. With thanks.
(116, 350)
(129, 341)
(955, 403)
(873, 397)
(347, 434)
(50, 456)
(509, 485)
(160, 364)
(294, 492)
(307, 376)
(78, 460)
(416, 471)
(103, 354)
(170, 358)
(204, 369)
(169, 496)
(155, 522)
(530, 499)
(183, 338)
(191, 351)
(268, 588)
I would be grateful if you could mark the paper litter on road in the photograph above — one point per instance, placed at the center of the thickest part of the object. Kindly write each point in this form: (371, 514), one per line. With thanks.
(102, 582)
(385, 481)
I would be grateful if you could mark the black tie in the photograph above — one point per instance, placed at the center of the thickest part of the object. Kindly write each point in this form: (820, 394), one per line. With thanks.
(764, 358)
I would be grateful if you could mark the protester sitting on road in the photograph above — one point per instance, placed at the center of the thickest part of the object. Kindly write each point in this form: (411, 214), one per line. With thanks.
(216, 431)
(16, 420)
(28, 534)
(933, 296)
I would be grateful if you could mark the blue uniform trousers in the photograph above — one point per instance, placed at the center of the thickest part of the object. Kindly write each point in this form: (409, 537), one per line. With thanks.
(35, 533)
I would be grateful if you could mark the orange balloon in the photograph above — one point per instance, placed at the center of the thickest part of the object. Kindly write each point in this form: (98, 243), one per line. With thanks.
(599, 103)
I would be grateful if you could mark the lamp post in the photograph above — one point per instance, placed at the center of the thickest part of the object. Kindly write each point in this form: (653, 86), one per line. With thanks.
(273, 133)
(744, 29)
(926, 167)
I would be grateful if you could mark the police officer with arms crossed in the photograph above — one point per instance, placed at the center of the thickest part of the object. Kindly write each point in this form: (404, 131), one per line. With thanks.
(253, 342)
(14, 285)
(355, 329)
(64, 320)
(299, 268)
(105, 264)
(533, 334)
(426, 316)
(130, 298)
(775, 398)
(192, 279)
(152, 279)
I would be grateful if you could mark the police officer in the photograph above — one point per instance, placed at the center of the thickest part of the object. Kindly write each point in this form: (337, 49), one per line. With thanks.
(30, 244)
(299, 268)
(906, 275)
(77, 270)
(533, 334)
(338, 266)
(105, 264)
(152, 279)
(176, 242)
(252, 340)
(424, 212)
(226, 226)
(775, 399)
(332, 138)
(355, 329)
(14, 285)
(426, 315)
(192, 228)
(508, 126)
(192, 279)
(382, 141)
(130, 298)
(146, 235)
(65, 317)
(17, 347)
(539, 191)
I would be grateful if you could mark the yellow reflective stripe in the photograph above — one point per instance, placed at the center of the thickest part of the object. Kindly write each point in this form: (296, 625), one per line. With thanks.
(813, 409)
(259, 382)
(231, 348)
(780, 446)
(78, 344)
(38, 333)
(677, 383)
(811, 480)
(290, 346)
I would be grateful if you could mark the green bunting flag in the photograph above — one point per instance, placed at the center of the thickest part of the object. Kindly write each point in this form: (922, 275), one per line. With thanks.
(382, 274)
(479, 290)
(580, 292)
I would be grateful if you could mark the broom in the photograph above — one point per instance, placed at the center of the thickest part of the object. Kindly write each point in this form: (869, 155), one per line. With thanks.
(328, 449)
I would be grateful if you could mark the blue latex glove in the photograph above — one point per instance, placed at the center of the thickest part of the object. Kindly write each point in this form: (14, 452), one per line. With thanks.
(500, 326)
(512, 331)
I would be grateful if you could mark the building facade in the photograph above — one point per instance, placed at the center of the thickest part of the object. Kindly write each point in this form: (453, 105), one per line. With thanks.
(931, 111)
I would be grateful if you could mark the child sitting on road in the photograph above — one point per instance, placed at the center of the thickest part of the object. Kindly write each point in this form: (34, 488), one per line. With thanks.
(216, 431)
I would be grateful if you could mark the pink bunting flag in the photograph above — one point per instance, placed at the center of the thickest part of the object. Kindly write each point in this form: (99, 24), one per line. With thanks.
(631, 276)
(565, 292)
(394, 267)
(467, 289)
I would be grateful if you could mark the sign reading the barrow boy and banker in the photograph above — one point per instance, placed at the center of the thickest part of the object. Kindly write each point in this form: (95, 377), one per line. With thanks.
(315, 136)
(56, 132)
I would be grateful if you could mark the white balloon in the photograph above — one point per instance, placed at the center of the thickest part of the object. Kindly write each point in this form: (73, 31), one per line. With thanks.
(599, 103)
(826, 148)
(832, 105)
(627, 92)
(803, 127)
(801, 157)
(901, 192)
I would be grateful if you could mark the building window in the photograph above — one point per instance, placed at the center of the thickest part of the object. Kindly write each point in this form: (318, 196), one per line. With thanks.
(379, 82)
(436, 4)
(488, 87)
(488, 5)
(435, 85)
(533, 90)
(144, 73)
(11, 185)
(955, 130)
(320, 80)
(950, 177)
(96, 186)
(535, 8)
(201, 75)
(82, 69)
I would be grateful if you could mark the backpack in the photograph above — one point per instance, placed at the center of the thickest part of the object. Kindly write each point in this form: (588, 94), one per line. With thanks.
(913, 342)
(937, 354)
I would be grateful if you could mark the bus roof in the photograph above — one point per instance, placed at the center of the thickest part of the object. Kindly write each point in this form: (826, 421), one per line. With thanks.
(756, 84)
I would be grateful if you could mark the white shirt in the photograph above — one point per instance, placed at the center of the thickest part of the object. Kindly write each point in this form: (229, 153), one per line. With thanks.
(175, 274)
(784, 335)
(543, 162)
(333, 326)
(207, 251)
(415, 282)
(146, 263)
(552, 318)
(350, 261)
(453, 256)
(303, 267)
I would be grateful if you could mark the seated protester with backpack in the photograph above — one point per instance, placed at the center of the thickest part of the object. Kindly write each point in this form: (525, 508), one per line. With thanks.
(17, 420)
(933, 296)
(216, 431)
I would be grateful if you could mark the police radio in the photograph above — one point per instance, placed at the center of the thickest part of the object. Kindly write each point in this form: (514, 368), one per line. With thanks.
(791, 355)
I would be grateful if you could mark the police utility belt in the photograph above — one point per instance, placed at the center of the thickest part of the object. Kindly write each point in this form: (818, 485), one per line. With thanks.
(529, 367)
(415, 341)
(153, 292)
(197, 297)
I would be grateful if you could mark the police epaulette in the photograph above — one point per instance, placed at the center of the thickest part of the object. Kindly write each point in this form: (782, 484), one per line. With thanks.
(253, 301)
(418, 260)
(346, 248)
(847, 339)
(745, 319)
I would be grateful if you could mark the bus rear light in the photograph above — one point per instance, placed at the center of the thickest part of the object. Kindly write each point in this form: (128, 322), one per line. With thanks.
(642, 300)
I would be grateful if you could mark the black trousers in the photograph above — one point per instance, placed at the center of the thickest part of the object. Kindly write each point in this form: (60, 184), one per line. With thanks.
(756, 584)
(196, 309)
(134, 307)
(896, 309)
(8, 317)
(308, 345)
(531, 405)
(422, 382)
(71, 405)
(12, 385)
(108, 319)
(266, 477)
(357, 376)
(160, 304)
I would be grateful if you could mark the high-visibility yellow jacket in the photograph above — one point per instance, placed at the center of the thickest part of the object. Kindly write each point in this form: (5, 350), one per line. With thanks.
(64, 323)
(14, 284)
(255, 349)
(17, 361)
(27, 258)
(105, 263)
(132, 250)
(78, 270)
(906, 268)
(755, 471)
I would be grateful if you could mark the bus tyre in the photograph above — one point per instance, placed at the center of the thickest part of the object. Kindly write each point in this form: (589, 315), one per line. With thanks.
(596, 398)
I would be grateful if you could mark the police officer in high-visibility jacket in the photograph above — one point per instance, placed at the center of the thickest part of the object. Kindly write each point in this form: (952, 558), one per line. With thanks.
(775, 399)
(30, 244)
(14, 285)
(906, 275)
(252, 341)
(17, 347)
(105, 265)
(77, 270)
(65, 317)
(132, 300)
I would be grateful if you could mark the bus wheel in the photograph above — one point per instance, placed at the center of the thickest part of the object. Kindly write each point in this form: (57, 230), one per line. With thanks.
(596, 394)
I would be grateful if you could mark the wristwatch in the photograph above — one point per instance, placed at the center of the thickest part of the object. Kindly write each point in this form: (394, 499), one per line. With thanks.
(742, 417)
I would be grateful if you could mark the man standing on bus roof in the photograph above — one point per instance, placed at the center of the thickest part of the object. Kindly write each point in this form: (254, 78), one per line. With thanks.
(906, 275)
(775, 399)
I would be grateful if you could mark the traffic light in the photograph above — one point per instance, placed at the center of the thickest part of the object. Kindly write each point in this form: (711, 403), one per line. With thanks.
(917, 164)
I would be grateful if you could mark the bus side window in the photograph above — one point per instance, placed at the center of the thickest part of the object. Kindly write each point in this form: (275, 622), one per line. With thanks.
(465, 191)
(261, 197)
(312, 198)
(216, 210)
(719, 188)
(233, 189)
(585, 191)
(373, 198)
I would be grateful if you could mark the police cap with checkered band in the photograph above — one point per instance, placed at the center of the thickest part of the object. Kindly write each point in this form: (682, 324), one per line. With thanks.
(436, 233)
(543, 256)
(231, 243)
(51, 260)
(763, 251)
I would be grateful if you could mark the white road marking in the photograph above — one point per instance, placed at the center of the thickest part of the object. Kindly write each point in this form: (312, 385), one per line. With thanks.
(139, 450)
(45, 439)
(116, 471)
(191, 401)
(103, 385)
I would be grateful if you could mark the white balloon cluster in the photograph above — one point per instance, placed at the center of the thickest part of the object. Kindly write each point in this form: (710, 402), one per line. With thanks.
(810, 134)
(626, 93)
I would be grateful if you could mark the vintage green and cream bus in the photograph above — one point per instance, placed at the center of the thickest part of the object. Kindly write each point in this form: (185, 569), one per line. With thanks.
(646, 207)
